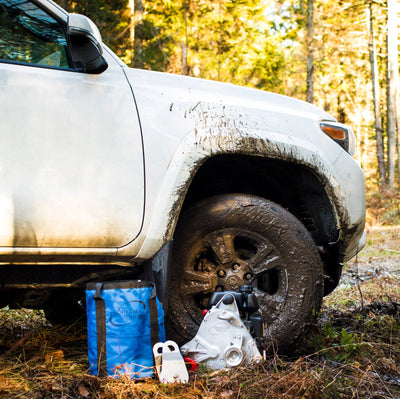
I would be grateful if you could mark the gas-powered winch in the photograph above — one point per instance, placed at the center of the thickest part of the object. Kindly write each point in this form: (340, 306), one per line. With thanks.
(223, 338)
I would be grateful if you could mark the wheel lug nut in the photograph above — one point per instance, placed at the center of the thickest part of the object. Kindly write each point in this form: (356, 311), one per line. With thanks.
(221, 273)
(235, 267)
(248, 276)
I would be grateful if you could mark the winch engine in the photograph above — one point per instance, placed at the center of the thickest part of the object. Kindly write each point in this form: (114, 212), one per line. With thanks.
(223, 338)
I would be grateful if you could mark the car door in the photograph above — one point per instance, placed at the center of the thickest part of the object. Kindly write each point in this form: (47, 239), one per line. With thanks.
(71, 157)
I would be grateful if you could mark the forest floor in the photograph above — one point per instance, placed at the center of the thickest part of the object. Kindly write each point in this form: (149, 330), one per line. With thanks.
(353, 351)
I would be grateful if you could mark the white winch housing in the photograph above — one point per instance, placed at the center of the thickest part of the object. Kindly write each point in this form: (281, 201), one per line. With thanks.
(223, 339)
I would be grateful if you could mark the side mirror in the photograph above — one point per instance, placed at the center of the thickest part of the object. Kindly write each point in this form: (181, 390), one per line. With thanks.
(85, 44)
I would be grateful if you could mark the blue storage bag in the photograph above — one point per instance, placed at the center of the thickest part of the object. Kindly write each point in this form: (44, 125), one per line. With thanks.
(124, 321)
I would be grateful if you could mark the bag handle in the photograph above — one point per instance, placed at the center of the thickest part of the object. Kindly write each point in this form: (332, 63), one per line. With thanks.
(155, 337)
(101, 331)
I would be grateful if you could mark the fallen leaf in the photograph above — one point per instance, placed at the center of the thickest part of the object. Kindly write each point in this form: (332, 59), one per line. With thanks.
(83, 391)
(226, 394)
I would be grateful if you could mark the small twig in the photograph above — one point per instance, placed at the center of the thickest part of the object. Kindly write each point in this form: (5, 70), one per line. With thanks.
(392, 250)
(17, 345)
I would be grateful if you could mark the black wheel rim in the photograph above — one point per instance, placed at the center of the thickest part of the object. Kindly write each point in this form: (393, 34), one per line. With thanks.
(224, 260)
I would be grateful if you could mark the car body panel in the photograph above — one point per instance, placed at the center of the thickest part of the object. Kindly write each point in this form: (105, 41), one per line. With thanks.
(53, 8)
(71, 159)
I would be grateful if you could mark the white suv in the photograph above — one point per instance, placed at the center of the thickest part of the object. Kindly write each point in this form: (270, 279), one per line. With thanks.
(106, 171)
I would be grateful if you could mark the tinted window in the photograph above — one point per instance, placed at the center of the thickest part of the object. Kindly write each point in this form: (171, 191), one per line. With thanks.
(29, 35)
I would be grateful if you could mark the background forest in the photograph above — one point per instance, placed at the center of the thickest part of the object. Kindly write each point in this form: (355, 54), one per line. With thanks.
(340, 55)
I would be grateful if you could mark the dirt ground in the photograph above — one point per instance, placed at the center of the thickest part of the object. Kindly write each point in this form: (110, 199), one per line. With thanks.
(353, 351)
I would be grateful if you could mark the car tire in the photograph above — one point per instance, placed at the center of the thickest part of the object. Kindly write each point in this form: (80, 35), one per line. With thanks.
(229, 240)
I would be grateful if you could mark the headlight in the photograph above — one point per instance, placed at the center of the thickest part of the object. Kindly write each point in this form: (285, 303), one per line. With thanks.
(342, 134)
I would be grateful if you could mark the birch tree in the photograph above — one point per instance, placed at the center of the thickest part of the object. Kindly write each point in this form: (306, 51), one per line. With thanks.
(310, 51)
(138, 34)
(392, 87)
(376, 96)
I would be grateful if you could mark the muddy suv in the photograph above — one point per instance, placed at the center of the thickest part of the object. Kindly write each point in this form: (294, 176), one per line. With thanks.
(106, 171)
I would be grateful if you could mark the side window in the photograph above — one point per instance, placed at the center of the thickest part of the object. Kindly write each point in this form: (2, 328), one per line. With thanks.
(30, 35)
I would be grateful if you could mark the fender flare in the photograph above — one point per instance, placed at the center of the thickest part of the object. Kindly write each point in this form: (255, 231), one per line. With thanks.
(200, 145)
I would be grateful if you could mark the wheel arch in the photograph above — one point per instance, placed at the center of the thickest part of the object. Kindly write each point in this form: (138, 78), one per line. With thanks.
(291, 185)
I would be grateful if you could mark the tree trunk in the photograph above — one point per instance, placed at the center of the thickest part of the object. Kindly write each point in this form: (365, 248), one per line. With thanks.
(310, 51)
(137, 28)
(65, 4)
(184, 69)
(219, 40)
(376, 95)
(392, 88)
(131, 28)
(184, 44)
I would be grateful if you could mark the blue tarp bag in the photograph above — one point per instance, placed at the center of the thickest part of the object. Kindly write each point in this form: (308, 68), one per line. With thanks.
(124, 321)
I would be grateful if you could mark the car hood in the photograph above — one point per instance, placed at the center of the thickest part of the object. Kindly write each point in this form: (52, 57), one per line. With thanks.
(187, 92)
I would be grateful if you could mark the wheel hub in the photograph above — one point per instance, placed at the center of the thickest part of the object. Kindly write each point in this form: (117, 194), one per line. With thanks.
(232, 276)
(233, 283)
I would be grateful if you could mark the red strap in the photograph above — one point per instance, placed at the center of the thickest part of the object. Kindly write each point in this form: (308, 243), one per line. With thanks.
(190, 362)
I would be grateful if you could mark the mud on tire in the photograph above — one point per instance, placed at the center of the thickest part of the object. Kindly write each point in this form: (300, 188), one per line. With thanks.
(229, 240)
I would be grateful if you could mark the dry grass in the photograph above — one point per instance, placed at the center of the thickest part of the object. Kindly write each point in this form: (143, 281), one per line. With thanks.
(383, 208)
(352, 352)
